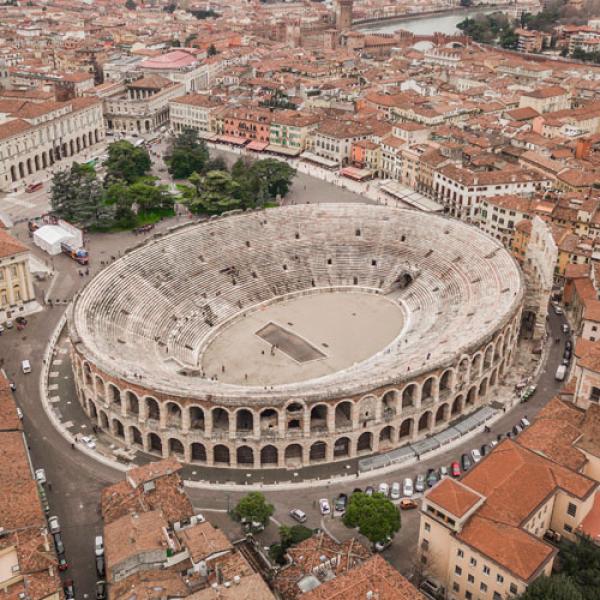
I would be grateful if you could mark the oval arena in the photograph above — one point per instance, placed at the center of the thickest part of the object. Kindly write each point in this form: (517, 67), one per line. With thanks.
(295, 336)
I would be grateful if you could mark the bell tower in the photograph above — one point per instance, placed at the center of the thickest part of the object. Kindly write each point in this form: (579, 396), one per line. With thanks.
(343, 15)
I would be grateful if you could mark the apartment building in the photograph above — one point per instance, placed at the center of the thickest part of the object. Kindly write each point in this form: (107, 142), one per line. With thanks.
(333, 140)
(17, 296)
(291, 129)
(141, 106)
(546, 99)
(463, 191)
(479, 545)
(499, 215)
(239, 123)
(34, 136)
(194, 111)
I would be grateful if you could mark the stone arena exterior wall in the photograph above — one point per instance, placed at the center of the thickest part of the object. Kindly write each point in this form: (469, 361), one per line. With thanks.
(295, 433)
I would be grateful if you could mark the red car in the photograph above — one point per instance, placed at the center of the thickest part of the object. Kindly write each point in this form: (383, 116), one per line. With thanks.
(455, 469)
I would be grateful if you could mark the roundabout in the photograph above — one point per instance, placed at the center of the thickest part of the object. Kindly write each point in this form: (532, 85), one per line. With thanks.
(296, 336)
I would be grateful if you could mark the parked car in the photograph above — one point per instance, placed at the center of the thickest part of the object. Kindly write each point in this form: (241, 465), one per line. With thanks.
(60, 547)
(455, 469)
(517, 430)
(431, 478)
(465, 462)
(101, 590)
(341, 502)
(569, 345)
(63, 565)
(443, 472)
(558, 310)
(524, 422)
(561, 373)
(298, 515)
(475, 455)
(19, 413)
(381, 546)
(40, 476)
(395, 491)
(407, 488)
(88, 441)
(324, 506)
(357, 491)
(565, 328)
(369, 490)
(408, 504)
(420, 483)
(100, 566)
(99, 545)
(69, 589)
(25, 364)
(32, 187)
(53, 524)
(493, 444)
(9, 324)
(384, 489)
(485, 449)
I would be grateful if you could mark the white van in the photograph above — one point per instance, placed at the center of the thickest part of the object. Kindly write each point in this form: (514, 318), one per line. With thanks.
(26, 366)
(560, 373)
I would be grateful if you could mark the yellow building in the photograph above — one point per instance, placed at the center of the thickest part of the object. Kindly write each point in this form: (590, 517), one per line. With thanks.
(17, 296)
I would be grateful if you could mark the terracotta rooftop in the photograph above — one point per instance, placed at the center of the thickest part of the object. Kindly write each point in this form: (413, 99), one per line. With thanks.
(590, 431)
(251, 587)
(588, 354)
(590, 526)
(453, 497)
(203, 540)
(153, 470)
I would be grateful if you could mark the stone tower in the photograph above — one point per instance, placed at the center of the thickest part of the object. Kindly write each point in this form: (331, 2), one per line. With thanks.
(343, 15)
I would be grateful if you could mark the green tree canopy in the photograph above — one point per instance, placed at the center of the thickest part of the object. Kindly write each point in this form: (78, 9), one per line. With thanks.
(127, 162)
(376, 517)
(186, 155)
(130, 5)
(556, 587)
(254, 507)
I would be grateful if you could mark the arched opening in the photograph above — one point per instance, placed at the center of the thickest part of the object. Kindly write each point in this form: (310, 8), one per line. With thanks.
(406, 429)
(269, 456)
(295, 416)
(463, 369)
(427, 392)
(29, 169)
(489, 355)
(386, 437)
(483, 388)
(498, 350)
(13, 173)
(71, 148)
(343, 415)
(92, 411)
(471, 396)
(154, 444)
(476, 366)
(90, 139)
(367, 410)
(103, 420)
(494, 377)
(152, 409)
(318, 418)
(341, 448)
(175, 447)
(318, 452)
(198, 452)
(269, 420)
(136, 436)
(117, 428)
(221, 455)
(365, 442)
(442, 414)
(389, 404)
(133, 403)
(408, 395)
(21, 170)
(99, 387)
(245, 455)
(293, 455)
(424, 421)
(244, 421)
(220, 420)
(114, 394)
(196, 418)
(87, 374)
(457, 406)
(173, 415)
(36, 160)
(446, 381)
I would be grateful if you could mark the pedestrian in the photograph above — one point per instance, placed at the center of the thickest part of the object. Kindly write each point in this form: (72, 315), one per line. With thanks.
(49, 486)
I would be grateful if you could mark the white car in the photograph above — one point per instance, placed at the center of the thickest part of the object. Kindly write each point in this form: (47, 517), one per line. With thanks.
(493, 443)
(443, 472)
(99, 545)
(395, 491)
(9, 324)
(54, 525)
(524, 422)
(19, 413)
(476, 455)
(558, 310)
(88, 441)
(408, 488)
(324, 506)
(384, 489)
(40, 476)
(565, 328)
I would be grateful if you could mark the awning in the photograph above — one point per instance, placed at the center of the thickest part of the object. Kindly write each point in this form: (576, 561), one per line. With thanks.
(356, 174)
(277, 149)
(320, 160)
(232, 139)
(409, 197)
(256, 145)
(207, 135)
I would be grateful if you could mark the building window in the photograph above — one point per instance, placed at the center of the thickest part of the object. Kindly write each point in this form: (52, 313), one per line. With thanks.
(427, 527)
(470, 578)
(457, 570)
(473, 562)
(483, 587)
(460, 553)
(568, 528)
(455, 587)
(595, 394)
(572, 508)
(513, 588)
(486, 570)
(468, 595)
(425, 545)
(499, 578)
(497, 596)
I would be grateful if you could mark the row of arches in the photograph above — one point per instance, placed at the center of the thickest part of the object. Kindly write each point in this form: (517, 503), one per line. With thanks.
(47, 158)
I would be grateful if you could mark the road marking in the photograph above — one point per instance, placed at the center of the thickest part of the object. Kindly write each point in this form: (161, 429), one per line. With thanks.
(54, 399)
(68, 424)
(53, 386)
(57, 362)
(54, 374)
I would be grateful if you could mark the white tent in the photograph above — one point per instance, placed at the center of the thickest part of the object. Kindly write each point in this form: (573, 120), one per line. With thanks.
(50, 237)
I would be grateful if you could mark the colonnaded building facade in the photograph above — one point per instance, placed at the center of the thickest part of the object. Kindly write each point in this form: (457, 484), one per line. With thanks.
(296, 335)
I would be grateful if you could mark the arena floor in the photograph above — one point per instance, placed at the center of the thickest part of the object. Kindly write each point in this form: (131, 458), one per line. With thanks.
(302, 338)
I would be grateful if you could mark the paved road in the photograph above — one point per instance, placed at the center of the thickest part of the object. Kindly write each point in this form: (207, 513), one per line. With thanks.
(77, 480)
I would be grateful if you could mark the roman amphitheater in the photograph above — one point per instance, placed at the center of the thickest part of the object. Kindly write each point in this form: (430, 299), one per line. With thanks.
(296, 335)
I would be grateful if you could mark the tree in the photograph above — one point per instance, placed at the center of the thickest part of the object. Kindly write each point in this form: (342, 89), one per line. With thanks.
(211, 50)
(556, 587)
(130, 5)
(68, 192)
(293, 535)
(117, 195)
(277, 174)
(186, 155)
(376, 517)
(254, 507)
(581, 562)
(127, 162)
(149, 198)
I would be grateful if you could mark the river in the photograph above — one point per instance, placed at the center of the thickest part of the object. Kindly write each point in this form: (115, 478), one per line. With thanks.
(424, 25)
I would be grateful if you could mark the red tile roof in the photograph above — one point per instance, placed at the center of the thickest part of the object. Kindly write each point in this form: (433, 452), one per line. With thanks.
(453, 497)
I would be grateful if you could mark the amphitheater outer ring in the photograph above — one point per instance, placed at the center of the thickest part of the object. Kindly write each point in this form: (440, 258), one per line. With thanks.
(369, 408)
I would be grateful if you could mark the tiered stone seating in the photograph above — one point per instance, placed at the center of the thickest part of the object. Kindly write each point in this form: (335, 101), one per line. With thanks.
(152, 311)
